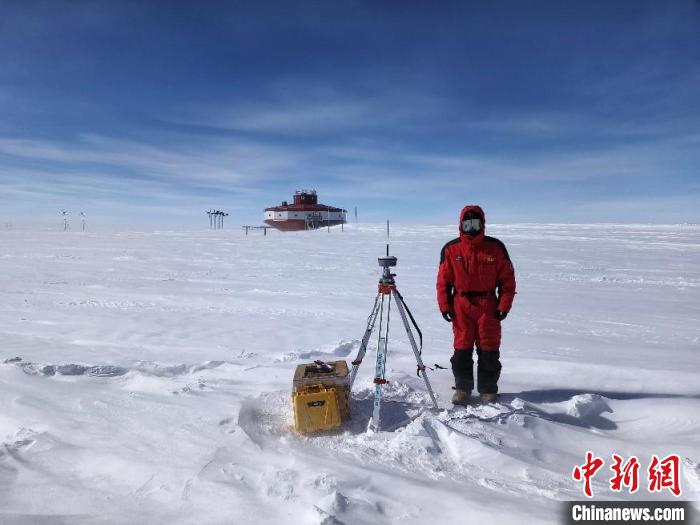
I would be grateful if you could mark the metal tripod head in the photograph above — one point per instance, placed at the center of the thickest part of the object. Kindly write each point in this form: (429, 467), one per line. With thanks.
(386, 263)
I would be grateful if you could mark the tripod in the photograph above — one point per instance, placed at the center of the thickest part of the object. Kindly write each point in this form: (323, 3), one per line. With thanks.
(382, 310)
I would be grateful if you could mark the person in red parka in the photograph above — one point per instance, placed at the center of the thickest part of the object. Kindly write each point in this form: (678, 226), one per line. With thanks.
(475, 291)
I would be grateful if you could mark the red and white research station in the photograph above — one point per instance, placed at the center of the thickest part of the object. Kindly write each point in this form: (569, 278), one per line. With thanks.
(305, 214)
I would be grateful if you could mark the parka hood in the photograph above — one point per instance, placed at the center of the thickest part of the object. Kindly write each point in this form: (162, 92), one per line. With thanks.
(474, 209)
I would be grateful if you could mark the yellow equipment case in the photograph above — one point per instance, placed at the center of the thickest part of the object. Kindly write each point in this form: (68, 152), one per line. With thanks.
(321, 397)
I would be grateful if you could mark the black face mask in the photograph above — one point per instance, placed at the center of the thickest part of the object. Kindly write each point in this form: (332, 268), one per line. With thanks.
(471, 224)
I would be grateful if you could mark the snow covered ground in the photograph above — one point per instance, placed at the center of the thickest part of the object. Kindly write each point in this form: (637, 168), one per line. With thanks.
(146, 376)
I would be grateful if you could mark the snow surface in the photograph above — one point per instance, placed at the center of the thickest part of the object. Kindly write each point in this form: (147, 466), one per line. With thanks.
(146, 376)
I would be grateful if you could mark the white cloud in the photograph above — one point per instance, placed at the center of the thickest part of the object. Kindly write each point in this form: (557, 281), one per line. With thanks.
(353, 163)
(298, 106)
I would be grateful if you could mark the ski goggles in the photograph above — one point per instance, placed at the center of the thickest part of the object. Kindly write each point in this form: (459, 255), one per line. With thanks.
(471, 225)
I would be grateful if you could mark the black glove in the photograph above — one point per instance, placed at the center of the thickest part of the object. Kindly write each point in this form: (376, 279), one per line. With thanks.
(447, 316)
(501, 315)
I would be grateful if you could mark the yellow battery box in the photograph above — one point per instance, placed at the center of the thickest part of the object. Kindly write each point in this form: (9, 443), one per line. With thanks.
(321, 397)
(315, 409)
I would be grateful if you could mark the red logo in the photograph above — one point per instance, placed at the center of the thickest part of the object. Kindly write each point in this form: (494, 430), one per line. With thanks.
(586, 472)
(626, 475)
(663, 474)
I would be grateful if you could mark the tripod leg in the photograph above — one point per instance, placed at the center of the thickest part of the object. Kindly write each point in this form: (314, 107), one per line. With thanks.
(379, 380)
(365, 339)
(421, 366)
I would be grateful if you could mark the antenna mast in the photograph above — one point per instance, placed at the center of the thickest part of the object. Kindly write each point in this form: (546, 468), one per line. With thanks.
(387, 237)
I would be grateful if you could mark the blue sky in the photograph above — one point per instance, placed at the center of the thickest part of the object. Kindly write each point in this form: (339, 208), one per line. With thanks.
(539, 111)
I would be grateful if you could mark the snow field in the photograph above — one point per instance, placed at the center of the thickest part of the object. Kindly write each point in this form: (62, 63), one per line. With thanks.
(146, 375)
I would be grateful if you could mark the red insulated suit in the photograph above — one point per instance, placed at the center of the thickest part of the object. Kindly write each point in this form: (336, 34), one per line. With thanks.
(475, 279)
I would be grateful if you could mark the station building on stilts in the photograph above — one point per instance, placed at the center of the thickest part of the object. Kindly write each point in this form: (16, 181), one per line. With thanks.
(304, 214)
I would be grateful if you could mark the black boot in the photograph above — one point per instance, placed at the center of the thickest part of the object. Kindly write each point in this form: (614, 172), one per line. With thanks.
(463, 370)
(488, 371)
